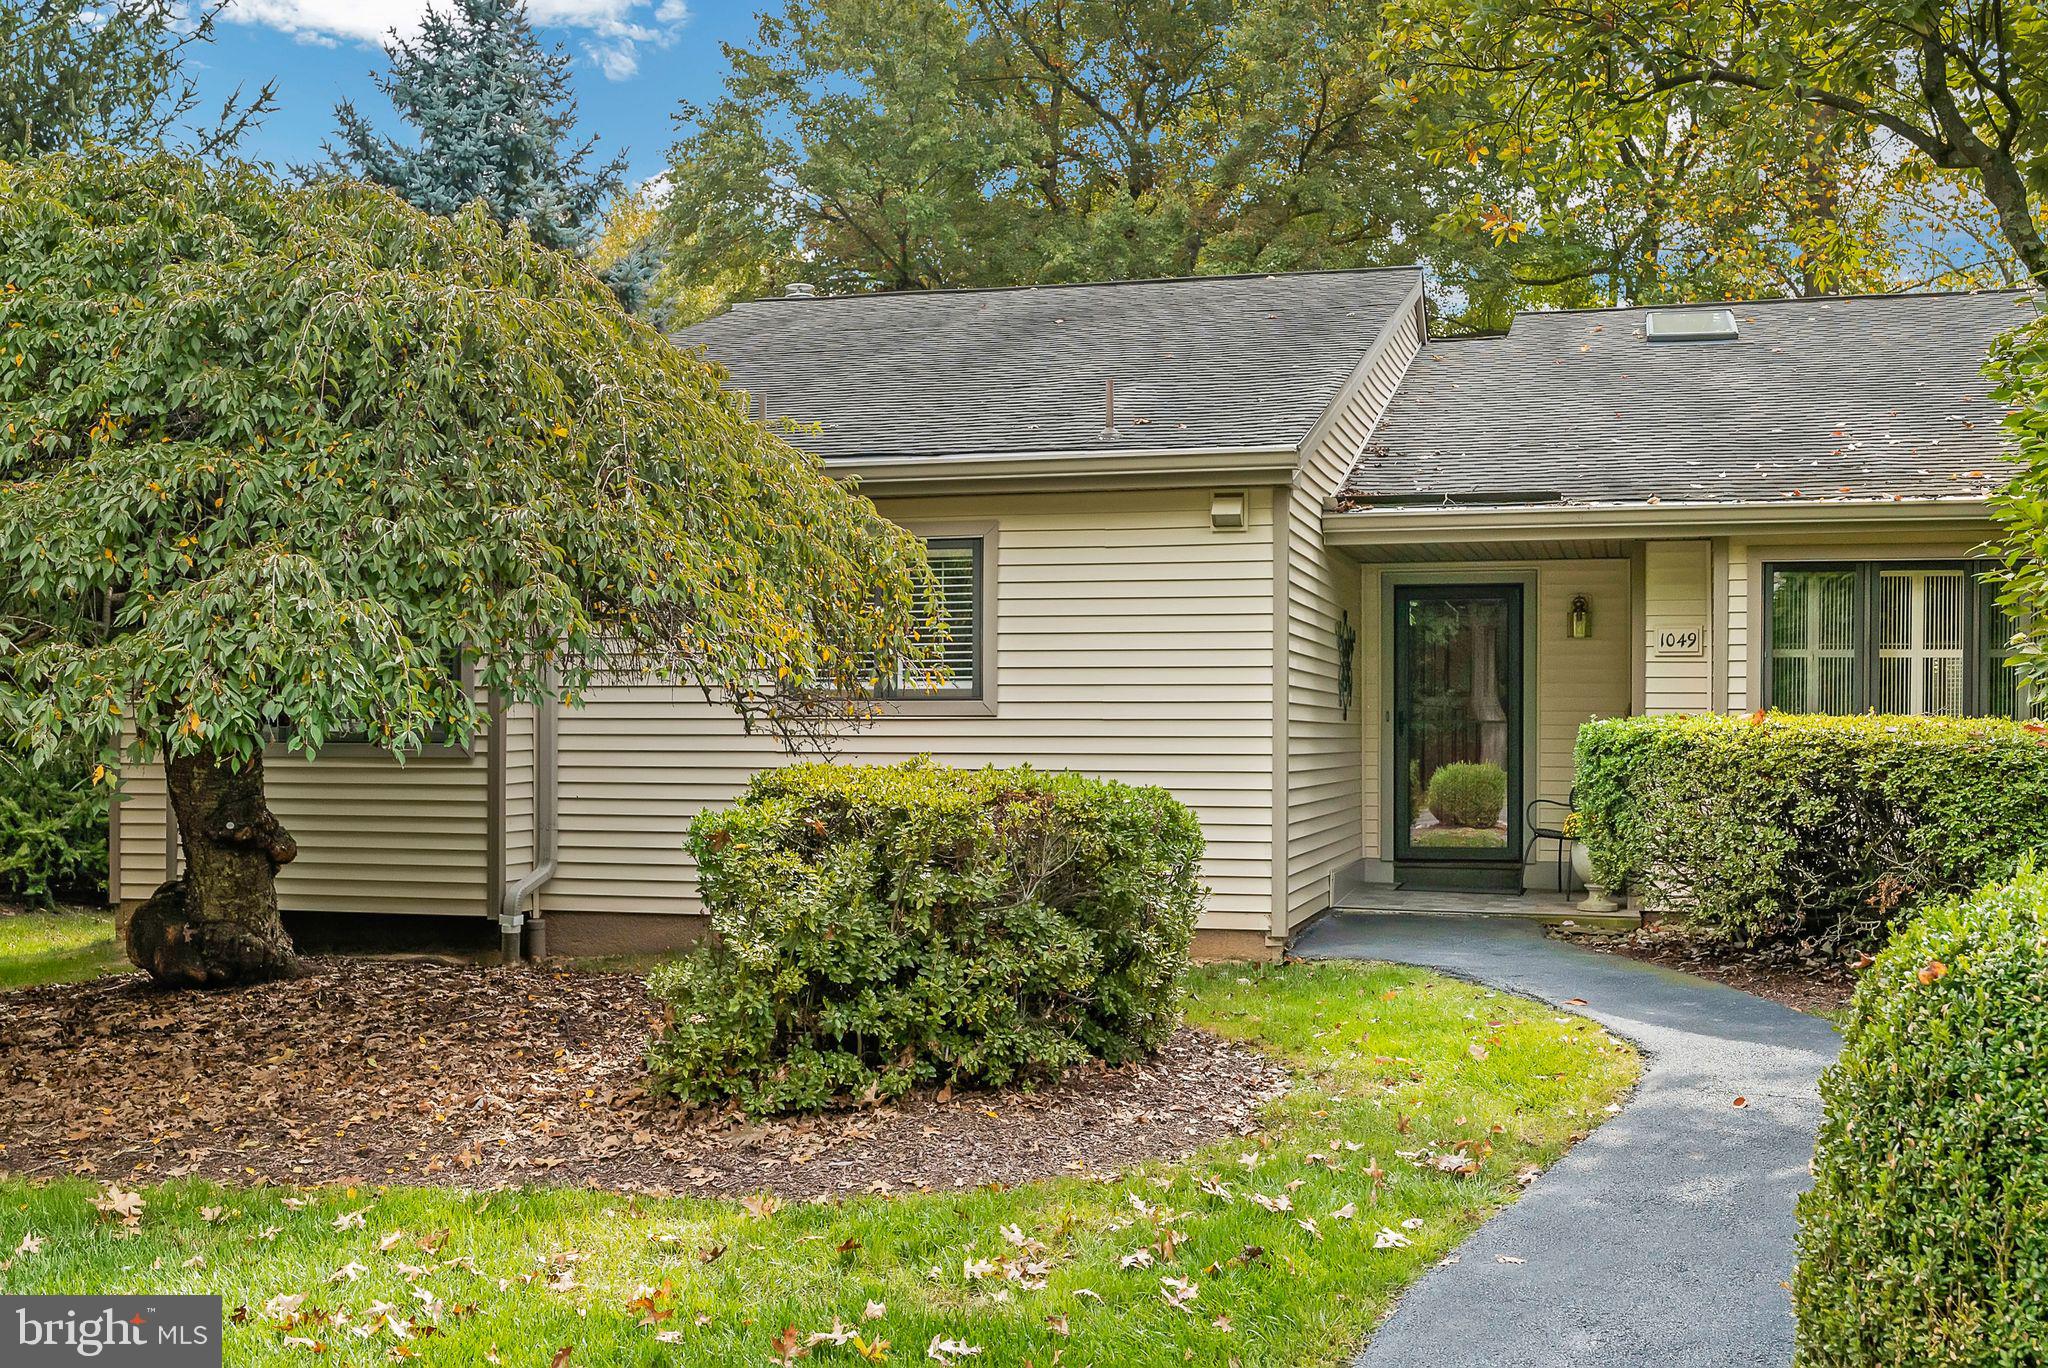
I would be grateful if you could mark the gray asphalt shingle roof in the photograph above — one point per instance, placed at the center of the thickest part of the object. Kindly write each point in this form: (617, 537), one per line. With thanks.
(1862, 398)
(1235, 362)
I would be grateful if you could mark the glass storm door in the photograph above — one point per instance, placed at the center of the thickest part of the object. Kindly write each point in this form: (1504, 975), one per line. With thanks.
(1458, 723)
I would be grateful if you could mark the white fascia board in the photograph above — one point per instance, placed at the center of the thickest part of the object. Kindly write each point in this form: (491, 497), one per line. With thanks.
(1069, 469)
(1569, 522)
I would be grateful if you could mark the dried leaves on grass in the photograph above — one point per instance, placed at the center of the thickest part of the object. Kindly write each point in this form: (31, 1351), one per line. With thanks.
(381, 1070)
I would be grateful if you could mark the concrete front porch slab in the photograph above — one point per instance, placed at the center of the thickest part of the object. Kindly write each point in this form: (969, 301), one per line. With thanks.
(1547, 908)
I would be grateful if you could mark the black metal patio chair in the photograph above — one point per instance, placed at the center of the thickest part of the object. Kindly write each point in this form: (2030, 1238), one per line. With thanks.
(1555, 829)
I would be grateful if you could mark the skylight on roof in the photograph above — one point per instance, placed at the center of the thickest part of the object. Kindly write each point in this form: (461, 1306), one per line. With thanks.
(1689, 325)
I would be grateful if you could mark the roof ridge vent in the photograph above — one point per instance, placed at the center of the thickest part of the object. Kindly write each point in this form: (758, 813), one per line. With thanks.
(1690, 323)
(799, 289)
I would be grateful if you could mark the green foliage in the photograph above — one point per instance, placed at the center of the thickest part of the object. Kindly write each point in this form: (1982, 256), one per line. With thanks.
(117, 73)
(53, 826)
(2019, 366)
(884, 927)
(1923, 1240)
(1467, 795)
(274, 455)
(1744, 145)
(493, 120)
(905, 144)
(1780, 825)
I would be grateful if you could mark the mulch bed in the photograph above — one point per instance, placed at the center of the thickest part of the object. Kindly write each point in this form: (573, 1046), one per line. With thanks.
(374, 1071)
(1815, 984)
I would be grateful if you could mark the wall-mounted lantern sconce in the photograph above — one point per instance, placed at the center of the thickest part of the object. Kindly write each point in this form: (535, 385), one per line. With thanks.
(1582, 617)
(1229, 512)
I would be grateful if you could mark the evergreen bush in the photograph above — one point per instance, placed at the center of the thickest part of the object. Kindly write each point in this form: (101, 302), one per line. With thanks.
(1776, 825)
(1925, 1237)
(880, 928)
(1467, 795)
(53, 827)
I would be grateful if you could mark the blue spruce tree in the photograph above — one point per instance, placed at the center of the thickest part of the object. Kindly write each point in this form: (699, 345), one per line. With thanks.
(493, 119)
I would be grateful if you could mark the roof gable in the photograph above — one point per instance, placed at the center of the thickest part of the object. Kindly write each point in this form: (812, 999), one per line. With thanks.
(1238, 363)
(1871, 397)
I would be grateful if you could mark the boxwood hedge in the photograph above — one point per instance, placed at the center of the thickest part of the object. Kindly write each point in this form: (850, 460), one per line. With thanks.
(1779, 825)
(878, 928)
(1925, 1237)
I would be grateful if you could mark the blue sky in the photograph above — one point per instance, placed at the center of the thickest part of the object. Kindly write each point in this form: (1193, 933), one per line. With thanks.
(633, 60)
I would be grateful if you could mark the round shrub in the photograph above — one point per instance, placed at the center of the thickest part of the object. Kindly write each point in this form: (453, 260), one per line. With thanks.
(1467, 795)
(878, 928)
(1925, 1237)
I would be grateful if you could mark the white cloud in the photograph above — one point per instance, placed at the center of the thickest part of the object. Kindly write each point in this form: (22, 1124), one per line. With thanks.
(619, 60)
(617, 28)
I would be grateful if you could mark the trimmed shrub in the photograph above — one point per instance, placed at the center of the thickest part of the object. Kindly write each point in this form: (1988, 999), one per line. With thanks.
(879, 928)
(53, 828)
(1925, 1237)
(1778, 825)
(1466, 795)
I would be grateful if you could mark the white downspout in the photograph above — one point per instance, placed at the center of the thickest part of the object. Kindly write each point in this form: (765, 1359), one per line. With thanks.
(514, 926)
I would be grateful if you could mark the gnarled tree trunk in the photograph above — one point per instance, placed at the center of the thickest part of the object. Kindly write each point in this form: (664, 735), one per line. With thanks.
(217, 922)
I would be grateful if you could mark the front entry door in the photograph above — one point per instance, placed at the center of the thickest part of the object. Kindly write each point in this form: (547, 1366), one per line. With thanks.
(1458, 733)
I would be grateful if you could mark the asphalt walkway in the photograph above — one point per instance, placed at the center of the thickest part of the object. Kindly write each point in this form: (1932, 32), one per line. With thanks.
(1667, 1235)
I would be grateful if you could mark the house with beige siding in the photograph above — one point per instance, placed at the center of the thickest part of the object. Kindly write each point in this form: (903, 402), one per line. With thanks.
(1345, 589)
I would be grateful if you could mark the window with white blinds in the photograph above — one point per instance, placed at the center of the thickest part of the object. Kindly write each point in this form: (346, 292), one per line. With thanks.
(953, 668)
(1814, 663)
(1920, 634)
(1923, 639)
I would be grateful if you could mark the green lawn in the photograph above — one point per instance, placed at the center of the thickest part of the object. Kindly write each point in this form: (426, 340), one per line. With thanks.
(57, 947)
(1281, 1249)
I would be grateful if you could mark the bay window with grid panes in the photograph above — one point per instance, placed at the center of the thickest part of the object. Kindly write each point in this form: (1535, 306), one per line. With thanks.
(1920, 638)
(956, 564)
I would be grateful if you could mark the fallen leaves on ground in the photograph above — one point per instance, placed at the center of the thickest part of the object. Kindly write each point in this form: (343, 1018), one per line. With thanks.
(124, 1207)
(369, 1070)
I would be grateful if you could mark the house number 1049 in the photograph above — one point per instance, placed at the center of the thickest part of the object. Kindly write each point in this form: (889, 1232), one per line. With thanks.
(1679, 641)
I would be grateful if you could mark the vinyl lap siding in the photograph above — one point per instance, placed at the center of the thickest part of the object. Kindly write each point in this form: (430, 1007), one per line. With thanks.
(373, 836)
(136, 866)
(520, 788)
(1374, 712)
(1576, 679)
(1323, 780)
(1325, 790)
(1745, 637)
(1130, 641)
(1678, 593)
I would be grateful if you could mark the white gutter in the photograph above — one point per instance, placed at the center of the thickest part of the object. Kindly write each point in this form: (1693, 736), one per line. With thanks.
(1409, 526)
(1271, 462)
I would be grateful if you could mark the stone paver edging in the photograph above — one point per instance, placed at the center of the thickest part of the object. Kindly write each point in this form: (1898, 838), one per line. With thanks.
(1667, 1235)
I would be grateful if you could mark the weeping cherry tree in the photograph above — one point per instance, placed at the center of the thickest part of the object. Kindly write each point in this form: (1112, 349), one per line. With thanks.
(283, 465)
